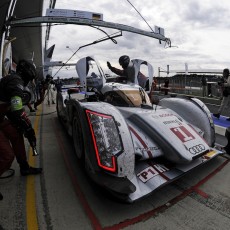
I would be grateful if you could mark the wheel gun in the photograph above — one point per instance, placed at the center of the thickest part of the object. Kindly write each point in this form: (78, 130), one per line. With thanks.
(35, 152)
(32, 142)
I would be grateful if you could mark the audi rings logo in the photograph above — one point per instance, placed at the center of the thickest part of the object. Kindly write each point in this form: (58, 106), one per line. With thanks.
(196, 149)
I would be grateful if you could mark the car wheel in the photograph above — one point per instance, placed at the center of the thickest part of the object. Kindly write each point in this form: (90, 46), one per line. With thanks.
(58, 107)
(78, 137)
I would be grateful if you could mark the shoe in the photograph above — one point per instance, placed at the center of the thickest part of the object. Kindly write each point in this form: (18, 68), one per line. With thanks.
(217, 115)
(30, 171)
(228, 119)
(1, 196)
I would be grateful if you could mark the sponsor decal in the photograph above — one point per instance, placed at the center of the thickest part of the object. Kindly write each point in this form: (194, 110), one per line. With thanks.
(211, 153)
(57, 18)
(150, 172)
(141, 141)
(196, 149)
(172, 122)
(182, 133)
(147, 148)
(208, 156)
(166, 115)
(16, 103)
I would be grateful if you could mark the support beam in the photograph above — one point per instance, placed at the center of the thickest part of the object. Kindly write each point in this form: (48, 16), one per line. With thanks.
(87, 22)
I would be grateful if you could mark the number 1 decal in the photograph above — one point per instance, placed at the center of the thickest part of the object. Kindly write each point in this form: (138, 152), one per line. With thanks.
(182, 133)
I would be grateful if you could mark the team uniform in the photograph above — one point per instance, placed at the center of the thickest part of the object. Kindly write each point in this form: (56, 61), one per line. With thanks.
(14, 122)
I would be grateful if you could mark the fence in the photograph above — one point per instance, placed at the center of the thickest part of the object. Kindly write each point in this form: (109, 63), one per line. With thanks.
(191, 85)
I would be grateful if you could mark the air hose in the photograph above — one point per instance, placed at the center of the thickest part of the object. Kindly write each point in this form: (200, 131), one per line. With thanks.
(9, 173)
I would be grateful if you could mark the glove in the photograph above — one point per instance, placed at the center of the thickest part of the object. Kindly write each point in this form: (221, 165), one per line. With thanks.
(30, 135)
(109, 65)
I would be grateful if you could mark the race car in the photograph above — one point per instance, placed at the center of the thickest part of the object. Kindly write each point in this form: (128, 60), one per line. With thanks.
(128, 145)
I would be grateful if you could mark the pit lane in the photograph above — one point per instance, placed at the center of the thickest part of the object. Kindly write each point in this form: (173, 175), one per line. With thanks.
(63, 197)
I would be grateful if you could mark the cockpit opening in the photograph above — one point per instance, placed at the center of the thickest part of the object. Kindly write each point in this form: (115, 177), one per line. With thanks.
(127, 97)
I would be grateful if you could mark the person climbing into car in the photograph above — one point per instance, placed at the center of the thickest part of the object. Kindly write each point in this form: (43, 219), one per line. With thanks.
(225, 84)
(14, 122)
(127, 71)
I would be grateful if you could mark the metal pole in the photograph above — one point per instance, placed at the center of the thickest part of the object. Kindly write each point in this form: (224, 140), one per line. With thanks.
(4, 33)
(186, 72)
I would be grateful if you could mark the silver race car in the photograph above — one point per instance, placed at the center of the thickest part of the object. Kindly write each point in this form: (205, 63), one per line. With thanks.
(127, 144)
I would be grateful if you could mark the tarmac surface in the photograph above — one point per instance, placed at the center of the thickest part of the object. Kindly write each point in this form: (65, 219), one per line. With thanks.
(63, 197)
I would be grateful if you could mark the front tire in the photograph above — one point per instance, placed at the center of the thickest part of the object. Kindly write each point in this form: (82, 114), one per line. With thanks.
(78, 137)
(58, 110)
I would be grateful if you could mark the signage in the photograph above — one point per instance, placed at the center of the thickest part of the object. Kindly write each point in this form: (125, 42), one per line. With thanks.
(73, 14)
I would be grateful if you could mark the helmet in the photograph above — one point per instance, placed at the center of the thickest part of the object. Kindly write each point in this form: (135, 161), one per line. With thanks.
(124, 61)
(26, 70)
(226, 71)
(49, 77)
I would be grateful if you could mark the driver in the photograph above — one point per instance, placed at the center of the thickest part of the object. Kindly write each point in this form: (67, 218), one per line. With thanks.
(14, 121)
(128, 70)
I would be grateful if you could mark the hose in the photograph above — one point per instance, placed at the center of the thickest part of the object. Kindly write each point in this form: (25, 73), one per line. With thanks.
(9, 172)
(4, 54)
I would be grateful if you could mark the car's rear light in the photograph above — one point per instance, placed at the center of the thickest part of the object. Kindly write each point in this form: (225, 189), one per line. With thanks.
(106, 139)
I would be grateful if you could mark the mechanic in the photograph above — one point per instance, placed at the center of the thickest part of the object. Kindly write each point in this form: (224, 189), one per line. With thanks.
(225, 84)
(45, 85)
(204, 85)
(128, 70)
(50, 86)
(166, 86)
(58, 84)
(14, 121)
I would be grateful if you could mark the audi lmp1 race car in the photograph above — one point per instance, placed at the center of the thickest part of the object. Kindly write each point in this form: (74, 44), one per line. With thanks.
(127, 144)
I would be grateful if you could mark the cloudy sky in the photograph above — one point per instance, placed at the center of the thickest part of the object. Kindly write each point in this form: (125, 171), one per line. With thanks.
(199, 32)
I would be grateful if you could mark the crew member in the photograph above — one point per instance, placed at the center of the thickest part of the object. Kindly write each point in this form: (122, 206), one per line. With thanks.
(50, 85)
(14, 121)
(58, 84)
(204, 86)
(127, 70)
(45, 86)
(166, 86)
(226, 93)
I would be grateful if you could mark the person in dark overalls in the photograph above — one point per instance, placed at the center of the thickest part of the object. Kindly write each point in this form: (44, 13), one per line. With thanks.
(14, 122)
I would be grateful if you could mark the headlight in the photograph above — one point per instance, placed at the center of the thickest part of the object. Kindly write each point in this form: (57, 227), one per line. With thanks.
(106, 139)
